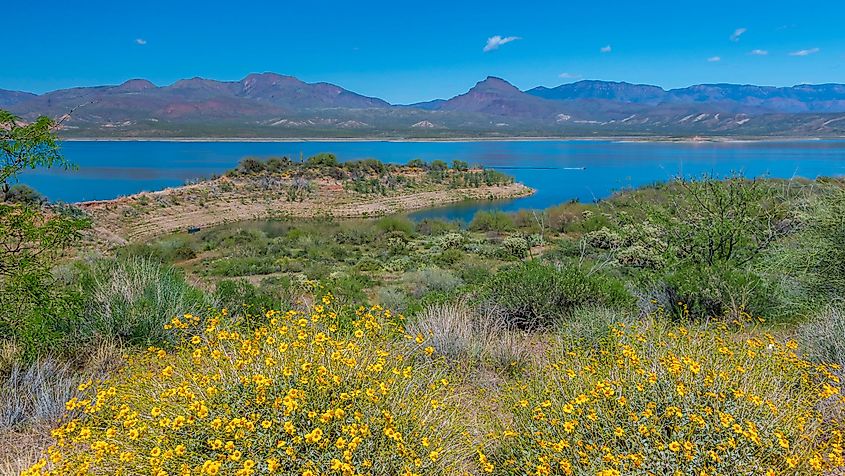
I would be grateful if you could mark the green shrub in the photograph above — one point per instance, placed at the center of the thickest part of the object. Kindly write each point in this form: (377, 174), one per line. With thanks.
(533, 294)
(395, 224)
(704, 292)
(244, 266)
(495, 220)
(435, 226)
(449, 257)
(428, 280)
(246, 300)
(515, 246)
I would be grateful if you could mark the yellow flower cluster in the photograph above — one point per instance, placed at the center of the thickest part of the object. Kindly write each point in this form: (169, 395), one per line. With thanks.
(671, 400)
(307, 394)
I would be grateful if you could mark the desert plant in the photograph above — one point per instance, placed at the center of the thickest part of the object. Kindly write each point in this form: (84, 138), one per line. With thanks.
(533, 294)
(467, 335)
(130, 300)
(300, 395)
(823, 337)
(670, 400)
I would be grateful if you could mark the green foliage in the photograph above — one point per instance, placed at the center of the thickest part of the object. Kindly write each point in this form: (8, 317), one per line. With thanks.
(705, 292)
(26, 146)
(396, 223)
(710, 221)
(35, 312)
(494, 220)
(131, 299)
(251, 165)
(23, 194)
(244, 299)
(244, 266)
(533, 294)
(322, 160)
(460, 165)
(818, 261)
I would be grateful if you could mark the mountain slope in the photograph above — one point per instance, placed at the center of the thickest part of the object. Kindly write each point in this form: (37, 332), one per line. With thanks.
(274, 105)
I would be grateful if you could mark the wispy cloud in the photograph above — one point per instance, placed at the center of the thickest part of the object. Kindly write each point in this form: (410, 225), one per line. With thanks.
(140, 41)
(569, 76)
(714, 59)
(494, 42)
(759, 52)
(806, 52)
(737, 33)
(606, 49)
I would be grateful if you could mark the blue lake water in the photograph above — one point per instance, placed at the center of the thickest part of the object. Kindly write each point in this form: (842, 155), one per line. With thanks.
(559, 170)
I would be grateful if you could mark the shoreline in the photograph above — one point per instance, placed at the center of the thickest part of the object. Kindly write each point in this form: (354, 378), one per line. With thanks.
(621, 139)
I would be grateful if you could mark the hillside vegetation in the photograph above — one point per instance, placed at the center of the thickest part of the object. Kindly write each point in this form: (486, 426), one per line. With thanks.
(279, 187)
(691, 327)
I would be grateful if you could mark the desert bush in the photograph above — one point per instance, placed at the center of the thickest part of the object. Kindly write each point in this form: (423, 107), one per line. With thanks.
(495, 220)
(429, 280)
(469, 336)
(533, 294)
(130, 299)
(670, 400)
(823, 337)
(300, 395)
(33, 394)
(591, 327)
(704, 292)
(251, 165)
(234, 266)
(434, 226)
(818, 262)
(243, 299)
(515, 246)
(399, 224)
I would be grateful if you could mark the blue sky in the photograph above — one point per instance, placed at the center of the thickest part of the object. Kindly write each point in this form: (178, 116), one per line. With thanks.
(414, 51)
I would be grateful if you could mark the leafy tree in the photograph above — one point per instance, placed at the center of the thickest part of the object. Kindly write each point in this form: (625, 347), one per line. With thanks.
(26, 146)
(33, 236)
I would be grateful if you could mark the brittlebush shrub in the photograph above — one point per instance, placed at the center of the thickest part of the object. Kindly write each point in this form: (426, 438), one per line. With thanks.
(306, 394)
(671, 400)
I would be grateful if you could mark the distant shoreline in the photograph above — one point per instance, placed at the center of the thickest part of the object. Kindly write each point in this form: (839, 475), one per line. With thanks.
(664, 139)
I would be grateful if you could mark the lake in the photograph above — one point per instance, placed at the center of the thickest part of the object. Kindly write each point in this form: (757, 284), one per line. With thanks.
(559, 170)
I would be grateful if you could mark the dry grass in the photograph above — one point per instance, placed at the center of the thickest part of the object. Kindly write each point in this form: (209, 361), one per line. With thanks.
(463, 334)
(33, 396)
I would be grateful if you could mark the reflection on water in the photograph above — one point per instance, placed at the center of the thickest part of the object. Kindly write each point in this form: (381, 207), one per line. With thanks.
(559, 170)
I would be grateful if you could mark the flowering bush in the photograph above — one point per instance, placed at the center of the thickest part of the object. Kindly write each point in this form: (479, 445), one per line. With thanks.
(671, 400)
(307, 393)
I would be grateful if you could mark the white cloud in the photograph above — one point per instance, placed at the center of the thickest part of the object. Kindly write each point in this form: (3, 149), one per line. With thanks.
(606, 49)
(140, 41)
(737, 33)
(714, 59)
(759, 52)
(569, 76)
(494, 42)
(806, 52)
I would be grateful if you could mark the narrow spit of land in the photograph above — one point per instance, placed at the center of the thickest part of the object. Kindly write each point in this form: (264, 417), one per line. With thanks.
(320, 187)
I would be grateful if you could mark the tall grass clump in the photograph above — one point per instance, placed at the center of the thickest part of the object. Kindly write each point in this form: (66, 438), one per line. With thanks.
(307, 393)
(471, 336)
(131, 299)
(666, 399)
(823, 337)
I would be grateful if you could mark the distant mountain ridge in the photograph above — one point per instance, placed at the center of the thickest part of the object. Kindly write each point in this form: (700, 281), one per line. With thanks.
(275, 105)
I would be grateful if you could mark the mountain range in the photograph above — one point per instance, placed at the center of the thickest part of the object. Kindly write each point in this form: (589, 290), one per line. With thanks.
(274, 105)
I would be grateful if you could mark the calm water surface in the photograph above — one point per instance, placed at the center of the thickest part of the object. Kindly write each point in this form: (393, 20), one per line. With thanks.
(559, 170)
